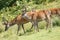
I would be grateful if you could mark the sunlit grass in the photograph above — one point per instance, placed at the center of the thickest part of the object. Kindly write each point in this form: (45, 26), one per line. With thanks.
(43, 34)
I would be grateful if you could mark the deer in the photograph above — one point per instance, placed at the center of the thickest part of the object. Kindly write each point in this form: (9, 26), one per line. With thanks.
(41, 14)
(55, 11)
(17, 20)
(38, 15)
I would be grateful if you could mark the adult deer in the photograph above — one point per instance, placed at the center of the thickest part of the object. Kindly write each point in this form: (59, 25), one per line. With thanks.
(36, 16)
(17, 20)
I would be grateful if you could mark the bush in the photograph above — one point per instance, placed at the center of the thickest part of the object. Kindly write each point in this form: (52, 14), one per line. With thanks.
(56, 21)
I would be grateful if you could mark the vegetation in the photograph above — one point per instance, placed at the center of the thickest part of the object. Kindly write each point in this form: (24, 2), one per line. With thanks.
(11, 8)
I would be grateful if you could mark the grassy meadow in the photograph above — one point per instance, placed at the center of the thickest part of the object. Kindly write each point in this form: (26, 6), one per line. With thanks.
(10, 12)
(43, 34)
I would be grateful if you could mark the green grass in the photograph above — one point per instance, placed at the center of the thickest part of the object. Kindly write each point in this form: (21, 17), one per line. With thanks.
(43, 34)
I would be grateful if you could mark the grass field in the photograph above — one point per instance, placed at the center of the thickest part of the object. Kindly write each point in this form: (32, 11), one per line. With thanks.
(43, 34)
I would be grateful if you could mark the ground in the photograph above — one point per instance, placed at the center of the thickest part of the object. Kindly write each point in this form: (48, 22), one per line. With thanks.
(43, 34)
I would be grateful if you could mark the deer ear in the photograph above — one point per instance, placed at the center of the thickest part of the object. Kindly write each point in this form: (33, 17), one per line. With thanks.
(4, 21)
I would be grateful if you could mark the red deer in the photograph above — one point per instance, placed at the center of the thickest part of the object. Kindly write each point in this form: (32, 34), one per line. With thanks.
(55, 11)
(17, 20)
(36, 16)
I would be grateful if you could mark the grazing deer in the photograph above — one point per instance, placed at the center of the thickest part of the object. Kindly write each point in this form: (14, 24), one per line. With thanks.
(17, 20)
(36, 16)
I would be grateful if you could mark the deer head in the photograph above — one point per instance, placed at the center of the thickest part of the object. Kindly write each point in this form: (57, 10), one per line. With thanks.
(5, 22)
(24, 10)
(27, 15)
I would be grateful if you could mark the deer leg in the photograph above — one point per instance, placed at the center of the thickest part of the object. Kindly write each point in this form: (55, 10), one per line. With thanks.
(37, 27)
(23, 28)
(49, 22)
(31, 26)
(18, 28)
(35, 24)
(6, 28)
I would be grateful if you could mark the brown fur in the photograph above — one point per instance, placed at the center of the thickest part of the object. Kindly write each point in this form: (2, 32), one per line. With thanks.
(38, 15)
(17, 20)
